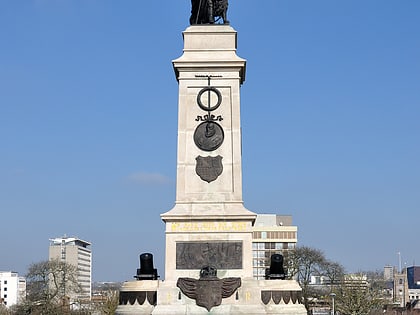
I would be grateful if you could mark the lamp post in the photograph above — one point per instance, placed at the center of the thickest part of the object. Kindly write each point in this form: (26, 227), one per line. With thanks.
(332, 295)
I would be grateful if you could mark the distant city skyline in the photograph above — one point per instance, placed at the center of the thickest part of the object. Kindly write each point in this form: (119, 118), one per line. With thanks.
(330, 114)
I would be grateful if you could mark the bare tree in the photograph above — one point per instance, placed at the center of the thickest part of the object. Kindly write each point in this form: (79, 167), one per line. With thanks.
(303, 263)
(357, 297)
(4, 310)
(334, 272)
(111, 302)
(50, 284)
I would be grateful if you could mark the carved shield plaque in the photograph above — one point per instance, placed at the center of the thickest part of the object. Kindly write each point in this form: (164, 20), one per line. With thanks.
(209, 168)
(209, 293)
(276, 296)
(265, 297)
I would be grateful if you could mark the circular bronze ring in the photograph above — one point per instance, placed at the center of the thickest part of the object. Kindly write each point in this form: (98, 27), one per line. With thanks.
(208, 107)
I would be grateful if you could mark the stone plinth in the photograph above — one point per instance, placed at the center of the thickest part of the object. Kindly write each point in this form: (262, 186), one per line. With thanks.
(252, 298)
(138, 297)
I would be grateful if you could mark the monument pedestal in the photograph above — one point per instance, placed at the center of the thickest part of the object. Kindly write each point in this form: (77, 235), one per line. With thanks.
(252, 298)
(209, 228)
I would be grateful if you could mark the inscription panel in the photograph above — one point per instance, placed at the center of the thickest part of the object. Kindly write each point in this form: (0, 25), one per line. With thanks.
(221, 255)
(208, 227)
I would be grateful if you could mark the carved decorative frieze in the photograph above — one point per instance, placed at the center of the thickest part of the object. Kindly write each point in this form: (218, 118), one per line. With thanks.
(138, 296)
(277, 296)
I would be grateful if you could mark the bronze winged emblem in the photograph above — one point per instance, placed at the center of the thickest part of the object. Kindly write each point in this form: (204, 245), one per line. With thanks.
(208, 291)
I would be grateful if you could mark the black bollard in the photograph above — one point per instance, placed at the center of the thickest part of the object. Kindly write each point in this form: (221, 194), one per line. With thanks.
(146, 270)
(276, 270)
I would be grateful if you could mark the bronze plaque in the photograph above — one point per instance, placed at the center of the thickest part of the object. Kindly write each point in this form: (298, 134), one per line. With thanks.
(209, 291)
(209, 168)
(208, 136)
(220, 255)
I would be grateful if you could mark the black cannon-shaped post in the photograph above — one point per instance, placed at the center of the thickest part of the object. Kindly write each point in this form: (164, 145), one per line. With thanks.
(276, 270)
(146, 270)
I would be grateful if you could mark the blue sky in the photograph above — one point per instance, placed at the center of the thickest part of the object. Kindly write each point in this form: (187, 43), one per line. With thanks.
(88, 125)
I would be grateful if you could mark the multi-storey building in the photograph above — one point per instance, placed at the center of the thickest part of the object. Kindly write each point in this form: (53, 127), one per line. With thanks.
(76, 252)
(389, 272)
(12, 288)
(413, 283)
(272, 234)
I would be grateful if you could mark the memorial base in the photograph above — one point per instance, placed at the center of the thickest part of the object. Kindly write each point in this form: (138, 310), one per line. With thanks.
(253, 297)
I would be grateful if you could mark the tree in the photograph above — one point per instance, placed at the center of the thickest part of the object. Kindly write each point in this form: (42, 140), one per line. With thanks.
(355, 296)
(3, 309)
(334, 272)
(376, 280)
(303, 263)
(50, 284)
(111, 302)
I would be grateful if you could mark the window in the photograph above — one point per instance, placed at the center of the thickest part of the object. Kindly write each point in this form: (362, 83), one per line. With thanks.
(5, 296)
(270, 245)
(5, 289)
(260, 246)
(5, 281)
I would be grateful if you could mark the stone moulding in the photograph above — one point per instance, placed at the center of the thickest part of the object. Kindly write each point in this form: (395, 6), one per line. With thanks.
(139, 296)
(278, 296)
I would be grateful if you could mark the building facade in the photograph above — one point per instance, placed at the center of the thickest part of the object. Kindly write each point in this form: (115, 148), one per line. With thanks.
(413, 283)
(12, 288)
(272, 234)
(389, 272)
(76, 252)
(407, 287)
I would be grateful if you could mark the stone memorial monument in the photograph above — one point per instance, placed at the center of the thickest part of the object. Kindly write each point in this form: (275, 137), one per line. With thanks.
(208, 263)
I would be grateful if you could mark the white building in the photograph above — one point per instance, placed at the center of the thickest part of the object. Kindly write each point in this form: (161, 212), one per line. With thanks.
(12, 288)
(76, 252)
(272, 234)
